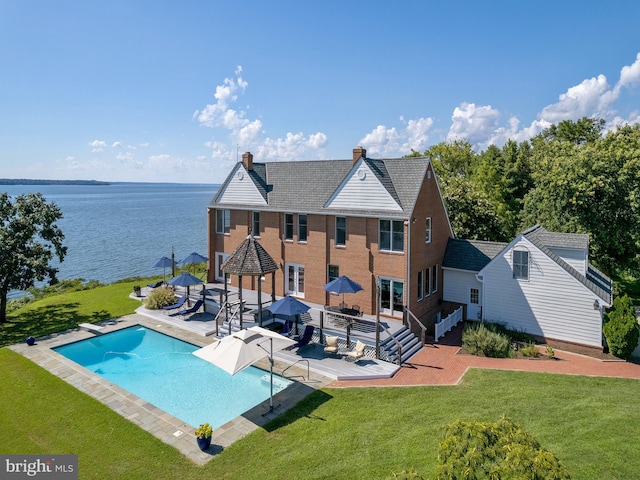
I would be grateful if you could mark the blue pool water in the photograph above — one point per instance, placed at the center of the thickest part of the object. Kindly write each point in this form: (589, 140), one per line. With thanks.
(162, 370)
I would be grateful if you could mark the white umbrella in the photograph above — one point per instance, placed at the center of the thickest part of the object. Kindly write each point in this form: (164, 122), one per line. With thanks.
(238, 351)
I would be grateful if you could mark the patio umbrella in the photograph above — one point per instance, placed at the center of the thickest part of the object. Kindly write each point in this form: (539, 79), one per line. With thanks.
(163, 263)
(193, 257)
(290, 307)
(343, 284)
(185, 279)
(238, 351)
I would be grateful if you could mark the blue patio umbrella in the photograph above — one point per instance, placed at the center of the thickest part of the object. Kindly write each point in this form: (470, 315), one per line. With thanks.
(185, 279)
(163, 263)
(289, 306)
(194, 257)
(343, 284)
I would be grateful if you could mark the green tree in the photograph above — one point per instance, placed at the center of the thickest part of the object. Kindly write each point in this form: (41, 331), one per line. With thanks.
(621, 327)
(578, 132)
(494, 450)
(29, 238)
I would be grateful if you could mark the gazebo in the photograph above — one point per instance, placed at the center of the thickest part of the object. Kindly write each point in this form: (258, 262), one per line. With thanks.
(250, 258)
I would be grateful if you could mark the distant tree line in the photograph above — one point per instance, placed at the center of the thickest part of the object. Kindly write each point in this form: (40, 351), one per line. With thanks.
(572, 177)
(28, 181)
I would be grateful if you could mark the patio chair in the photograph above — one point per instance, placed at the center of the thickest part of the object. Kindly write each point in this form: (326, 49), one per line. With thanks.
(305, 339)
(178, 304)
(186, 311)
(332, 345)
(357, 353)
(356, 308)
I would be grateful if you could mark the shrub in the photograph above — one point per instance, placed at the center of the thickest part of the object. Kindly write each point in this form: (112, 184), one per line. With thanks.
(550, 352)
(621, 328)
(494, 450)
(480, 339)
(529, 350)
(160, 297)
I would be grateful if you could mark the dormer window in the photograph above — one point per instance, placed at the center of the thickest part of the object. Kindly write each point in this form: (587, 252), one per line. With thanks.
(521, 265)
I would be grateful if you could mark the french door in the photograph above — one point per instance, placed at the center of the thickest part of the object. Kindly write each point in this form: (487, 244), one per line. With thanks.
(391, 296)
(294, 281)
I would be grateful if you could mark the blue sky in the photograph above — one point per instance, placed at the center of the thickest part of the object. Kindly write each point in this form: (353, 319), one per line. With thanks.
(171, 91)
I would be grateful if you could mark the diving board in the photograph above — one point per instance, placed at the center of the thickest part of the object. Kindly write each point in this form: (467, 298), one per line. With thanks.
(91, 327)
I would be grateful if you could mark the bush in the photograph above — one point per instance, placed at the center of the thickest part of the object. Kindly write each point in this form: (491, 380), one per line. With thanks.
(481, 339)
(500, 450)
(621, 328)
(529, 350)
(160, 297)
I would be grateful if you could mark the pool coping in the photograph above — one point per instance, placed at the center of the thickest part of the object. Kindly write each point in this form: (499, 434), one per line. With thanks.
(159, 423)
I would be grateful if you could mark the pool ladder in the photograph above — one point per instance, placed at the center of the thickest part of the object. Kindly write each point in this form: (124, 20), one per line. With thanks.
(294, 364)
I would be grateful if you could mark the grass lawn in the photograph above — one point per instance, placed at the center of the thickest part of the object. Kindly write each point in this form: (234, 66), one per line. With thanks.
(591, 424)
(60, 312)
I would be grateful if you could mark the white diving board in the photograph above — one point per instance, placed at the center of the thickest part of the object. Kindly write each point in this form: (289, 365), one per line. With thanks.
(91, 327)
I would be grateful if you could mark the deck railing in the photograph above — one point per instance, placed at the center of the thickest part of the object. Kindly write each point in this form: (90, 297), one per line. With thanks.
(423, 329)
(448, 323)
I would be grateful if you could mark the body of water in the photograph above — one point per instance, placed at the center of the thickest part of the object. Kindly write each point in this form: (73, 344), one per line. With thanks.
(116, 231)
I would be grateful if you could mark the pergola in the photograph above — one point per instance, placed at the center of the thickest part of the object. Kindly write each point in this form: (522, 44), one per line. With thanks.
(250, 259)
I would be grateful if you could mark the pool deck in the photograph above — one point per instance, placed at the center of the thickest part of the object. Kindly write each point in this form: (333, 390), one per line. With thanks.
(159, 423)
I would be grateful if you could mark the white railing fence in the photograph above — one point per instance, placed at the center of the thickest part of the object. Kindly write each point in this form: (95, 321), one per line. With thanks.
(448, 323)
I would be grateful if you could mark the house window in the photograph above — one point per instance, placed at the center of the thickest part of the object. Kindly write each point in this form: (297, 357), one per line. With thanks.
(288, 226)
(392, 235)
(295, 279)
(302, 228)
(223, 221)
(474, 296)
(391, 296)
(333, 272)
(341, 231)
(420, 285)
(434, 279)
(428, 230)
(255, 224)
(427, 282)
(521, 264)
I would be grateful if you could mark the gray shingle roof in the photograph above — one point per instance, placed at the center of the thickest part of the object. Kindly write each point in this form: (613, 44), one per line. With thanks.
(249, 258)
(559, 240)
(470, 255)
(306, 186)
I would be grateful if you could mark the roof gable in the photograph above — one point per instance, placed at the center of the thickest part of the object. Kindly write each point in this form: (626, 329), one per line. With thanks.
(472, 255)
(363, 188)
(240, 186)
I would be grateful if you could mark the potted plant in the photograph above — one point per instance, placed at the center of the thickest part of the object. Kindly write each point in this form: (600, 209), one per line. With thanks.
(203, 435)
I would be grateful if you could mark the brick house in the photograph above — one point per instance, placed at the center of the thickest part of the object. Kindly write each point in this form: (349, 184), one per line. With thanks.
(374, 220)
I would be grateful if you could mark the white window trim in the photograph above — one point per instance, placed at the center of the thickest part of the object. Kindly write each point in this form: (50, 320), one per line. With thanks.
(520, 249)
(420, 286)
(335, 237)
(220, 211)
(434, 285)
(284, 226)
(217, 265)
(253, 231)
(296, 279)
(391, 222)
(428, 230)
(306, 226)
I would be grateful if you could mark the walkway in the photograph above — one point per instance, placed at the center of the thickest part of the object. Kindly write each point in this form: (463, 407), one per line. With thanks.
(440, 364)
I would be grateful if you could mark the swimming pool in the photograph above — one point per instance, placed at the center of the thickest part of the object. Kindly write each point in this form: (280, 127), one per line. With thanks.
(162, 370)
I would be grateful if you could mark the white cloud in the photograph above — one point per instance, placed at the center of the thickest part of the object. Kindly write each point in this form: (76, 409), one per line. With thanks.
(248, 133)
(474, 123)
(630, 74)
(116, 145)
(97, 145)
(390, 142)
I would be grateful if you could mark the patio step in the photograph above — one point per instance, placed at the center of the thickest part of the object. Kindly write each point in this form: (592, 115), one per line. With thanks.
(409, 342)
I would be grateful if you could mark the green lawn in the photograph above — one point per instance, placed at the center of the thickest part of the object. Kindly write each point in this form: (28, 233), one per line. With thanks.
(60, 312)
(591, 424)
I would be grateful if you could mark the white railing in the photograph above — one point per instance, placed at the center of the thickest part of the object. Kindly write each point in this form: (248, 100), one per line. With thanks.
(448, 323)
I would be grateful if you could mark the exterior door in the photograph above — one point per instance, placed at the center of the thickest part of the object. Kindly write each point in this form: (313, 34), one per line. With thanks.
(294, 281)
(391, 296)
(474, 308)
(220, 258)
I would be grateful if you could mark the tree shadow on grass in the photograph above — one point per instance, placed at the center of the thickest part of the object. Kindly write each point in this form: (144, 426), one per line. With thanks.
(45, 320)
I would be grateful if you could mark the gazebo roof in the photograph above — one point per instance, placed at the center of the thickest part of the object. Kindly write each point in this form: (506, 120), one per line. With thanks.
(249, 258)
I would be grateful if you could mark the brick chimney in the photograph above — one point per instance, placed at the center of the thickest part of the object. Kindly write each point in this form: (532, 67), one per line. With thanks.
(358, 152)
(247, 161)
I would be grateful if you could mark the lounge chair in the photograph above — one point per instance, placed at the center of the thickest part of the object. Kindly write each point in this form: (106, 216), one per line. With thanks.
(332, 345)
(155, 285)
(357, 353)
(305, 339)
(178, 304)
(195, 308)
